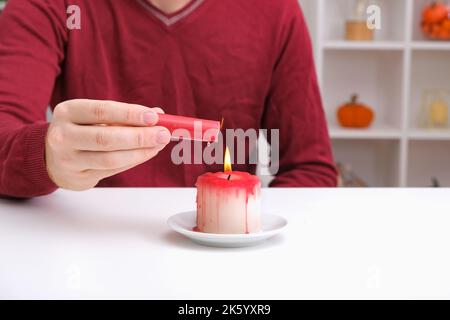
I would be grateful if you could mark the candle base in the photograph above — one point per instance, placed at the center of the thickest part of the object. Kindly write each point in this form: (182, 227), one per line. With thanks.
(271, 225)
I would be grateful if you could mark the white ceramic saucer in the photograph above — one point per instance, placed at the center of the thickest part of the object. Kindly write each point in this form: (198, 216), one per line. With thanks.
(184, 223)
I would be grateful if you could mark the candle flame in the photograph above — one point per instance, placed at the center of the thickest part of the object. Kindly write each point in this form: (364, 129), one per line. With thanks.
(227, 161)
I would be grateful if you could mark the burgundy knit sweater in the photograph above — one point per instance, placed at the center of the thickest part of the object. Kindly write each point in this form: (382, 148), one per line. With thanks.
(249, 61)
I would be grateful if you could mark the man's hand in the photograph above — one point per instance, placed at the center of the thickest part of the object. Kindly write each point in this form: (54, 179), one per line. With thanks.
(89, 140)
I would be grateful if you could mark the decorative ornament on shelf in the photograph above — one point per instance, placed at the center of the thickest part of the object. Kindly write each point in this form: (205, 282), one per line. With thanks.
(435, 183)
(355, 115)
(436, 20)
(356, 28)
(348, 178)
(434, 110)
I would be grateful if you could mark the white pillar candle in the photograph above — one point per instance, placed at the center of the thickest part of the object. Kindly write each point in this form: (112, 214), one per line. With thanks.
(228, 203)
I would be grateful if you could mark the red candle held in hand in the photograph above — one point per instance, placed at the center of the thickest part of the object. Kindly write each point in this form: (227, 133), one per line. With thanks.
(186, 128)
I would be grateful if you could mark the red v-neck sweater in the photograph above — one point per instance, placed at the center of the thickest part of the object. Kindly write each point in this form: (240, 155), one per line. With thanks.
(247, 61)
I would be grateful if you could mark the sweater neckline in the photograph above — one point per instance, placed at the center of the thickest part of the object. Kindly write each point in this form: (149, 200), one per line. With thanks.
(172, 18)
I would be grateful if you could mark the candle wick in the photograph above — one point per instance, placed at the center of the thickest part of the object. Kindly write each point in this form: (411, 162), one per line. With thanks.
(229, 177)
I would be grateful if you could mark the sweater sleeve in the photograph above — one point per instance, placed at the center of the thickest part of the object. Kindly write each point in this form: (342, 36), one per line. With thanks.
(294, 107)
(32, 37)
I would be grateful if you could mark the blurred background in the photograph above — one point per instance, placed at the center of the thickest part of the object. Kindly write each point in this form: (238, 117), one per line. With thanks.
(386, 91)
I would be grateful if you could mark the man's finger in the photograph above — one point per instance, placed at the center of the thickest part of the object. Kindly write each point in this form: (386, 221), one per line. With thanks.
(97, 160)
(102, 174)
(83, 111)
(158, 110)
(108, 138)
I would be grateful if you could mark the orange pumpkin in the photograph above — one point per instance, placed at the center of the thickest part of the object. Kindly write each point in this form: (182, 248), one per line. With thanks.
(446, 24)
(355, 115)
(436, 21)
(435, 13)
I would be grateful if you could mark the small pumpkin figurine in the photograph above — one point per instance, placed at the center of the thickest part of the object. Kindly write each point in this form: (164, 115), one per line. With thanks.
(355, 115)
(435, 12)
(436, 20)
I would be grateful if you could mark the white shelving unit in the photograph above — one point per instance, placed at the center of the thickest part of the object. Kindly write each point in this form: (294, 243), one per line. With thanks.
(389, 74)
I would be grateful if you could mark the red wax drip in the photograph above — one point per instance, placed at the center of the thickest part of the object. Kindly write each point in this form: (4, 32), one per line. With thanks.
(244, 180)
(203, 211)
(246, 213)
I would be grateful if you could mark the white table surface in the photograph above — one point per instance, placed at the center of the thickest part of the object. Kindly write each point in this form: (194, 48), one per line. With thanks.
(115, 243)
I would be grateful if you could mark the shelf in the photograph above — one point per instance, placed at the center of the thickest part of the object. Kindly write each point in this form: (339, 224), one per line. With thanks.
(430, 134)
(386, 45)
(364, 45)
(428, 159)
(430, 45)
(375, 133)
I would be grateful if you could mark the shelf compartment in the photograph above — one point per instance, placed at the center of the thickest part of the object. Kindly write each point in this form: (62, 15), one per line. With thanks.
(430, 70)
(375, 161)
(375, 76)
(393, 15)
(428, 159)
(417, 34)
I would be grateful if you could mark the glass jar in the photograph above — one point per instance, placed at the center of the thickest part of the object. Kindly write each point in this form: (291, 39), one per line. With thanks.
(356, 28)
(434, 113)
